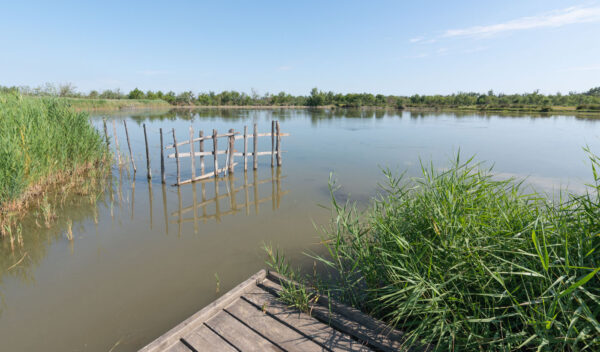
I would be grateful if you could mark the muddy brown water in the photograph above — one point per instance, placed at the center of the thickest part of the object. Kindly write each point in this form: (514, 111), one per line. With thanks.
(145, 256)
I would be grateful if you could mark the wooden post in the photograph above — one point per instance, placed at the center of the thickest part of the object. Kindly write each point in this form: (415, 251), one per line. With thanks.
(105, 132)
(201, 135)
(192, 154)
(245, 148)
(162, 158)
(149, 173)
(231, 146)
(215, 157)
(272, 143)
(117, 142)
(254, 142)
(176, 157)
(278, 143)
(129, 146)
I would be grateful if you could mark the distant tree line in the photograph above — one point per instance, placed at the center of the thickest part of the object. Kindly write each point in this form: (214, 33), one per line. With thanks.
(589, 100)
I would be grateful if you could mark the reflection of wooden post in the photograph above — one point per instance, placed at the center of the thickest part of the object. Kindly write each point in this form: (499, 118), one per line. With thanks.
(192, 154)
(176, 158)
(203, 201)
(231, 146)
(132, 198)
(255, 184)
(217, 207)
(232, 202)
(129, 146)
(180, 220)
(278, 181)
(162, 158)
(245, 148)
(272, 143)
(149, 173)
(116, 142)
(254, 142)
(247, 205)
(164, 197)
(216, 161)
(194, 201)
(150, 200)
(278, 143)
(201, 135)
(274, 201)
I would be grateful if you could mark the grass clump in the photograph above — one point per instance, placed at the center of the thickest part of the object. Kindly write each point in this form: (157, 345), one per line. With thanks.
(461, 261)
(42, 141)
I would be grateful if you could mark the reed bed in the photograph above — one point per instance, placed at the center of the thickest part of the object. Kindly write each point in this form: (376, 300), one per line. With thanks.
(43, 142)
(461, 261)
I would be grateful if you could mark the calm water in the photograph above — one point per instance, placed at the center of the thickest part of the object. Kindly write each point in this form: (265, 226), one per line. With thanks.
(145, 256)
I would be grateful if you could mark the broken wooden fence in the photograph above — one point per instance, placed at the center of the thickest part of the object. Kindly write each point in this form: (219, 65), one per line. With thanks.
(229, 151)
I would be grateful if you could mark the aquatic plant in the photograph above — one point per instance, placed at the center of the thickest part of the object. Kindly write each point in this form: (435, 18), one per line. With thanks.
(461, 261)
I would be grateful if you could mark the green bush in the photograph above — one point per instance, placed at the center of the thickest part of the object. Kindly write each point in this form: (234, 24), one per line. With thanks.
(40, 138)
(462, 261)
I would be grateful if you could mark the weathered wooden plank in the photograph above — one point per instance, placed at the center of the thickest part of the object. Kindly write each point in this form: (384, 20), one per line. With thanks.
(254, 150)
(272, 329)
(204, 339)
(162, 159)
(245, 148)
(278, 144)
(193, 322)
(268, 134)
(177, 157)
(129, 146)
(239, 335)
(178, 347)
(272, 143)
(201, 134)
(203, 177)
(148, 171)
(220, 152)
(215, 151)
(230, 149)
(171, 146)
(308, 326)
(360, 325)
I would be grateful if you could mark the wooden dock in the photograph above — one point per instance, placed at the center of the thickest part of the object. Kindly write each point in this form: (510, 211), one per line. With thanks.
(251, 318)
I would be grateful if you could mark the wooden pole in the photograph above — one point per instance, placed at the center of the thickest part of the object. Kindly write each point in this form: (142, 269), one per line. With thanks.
(278, 143)
(272, 143)
(177, 158)
(129, 146)
(162, 159)
(245, 148)
(105, 132)
(215, 150)
(201, 135)
(149, 173)
(116, 142)
(192, 154)
(255, 142)
(231, 146)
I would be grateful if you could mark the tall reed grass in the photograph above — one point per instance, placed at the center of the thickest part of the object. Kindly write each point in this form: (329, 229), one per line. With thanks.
(41, 140)
(462, 261)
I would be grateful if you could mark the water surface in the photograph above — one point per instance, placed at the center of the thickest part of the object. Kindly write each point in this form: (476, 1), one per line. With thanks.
(145, 256)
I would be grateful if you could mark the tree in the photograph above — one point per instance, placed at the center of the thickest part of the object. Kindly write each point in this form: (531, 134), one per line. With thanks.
(136, 94)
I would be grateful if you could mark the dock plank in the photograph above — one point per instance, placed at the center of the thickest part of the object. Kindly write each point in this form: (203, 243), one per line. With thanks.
(282, 335)
(178, 347)
(204, 339)
(317, 331)
(239, 335)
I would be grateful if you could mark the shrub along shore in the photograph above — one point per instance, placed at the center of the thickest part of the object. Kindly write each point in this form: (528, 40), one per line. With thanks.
(587, 102)
(44, 142)
(461, 261)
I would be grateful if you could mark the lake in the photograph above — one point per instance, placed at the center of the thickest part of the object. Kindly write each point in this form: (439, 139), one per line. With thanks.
(145, 256)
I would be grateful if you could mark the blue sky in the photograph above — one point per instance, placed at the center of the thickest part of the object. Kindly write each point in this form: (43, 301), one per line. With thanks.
(390, 47)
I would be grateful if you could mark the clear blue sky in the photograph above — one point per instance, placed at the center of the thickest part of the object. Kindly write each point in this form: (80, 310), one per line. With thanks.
(390, 47)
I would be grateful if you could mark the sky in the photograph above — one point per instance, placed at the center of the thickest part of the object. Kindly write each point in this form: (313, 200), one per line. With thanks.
(388, 47)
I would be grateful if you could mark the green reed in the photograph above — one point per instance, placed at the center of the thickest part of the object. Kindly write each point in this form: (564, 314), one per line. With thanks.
(41, 139)
(461, 261)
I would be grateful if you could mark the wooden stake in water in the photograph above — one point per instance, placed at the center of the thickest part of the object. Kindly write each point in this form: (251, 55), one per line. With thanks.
(192, 154)
(162, 158)
(231, 146)
(176, 157)
(278, 144)
(245, 148)
(272, 143)
(105, 132)
(147, 154)
(201, 135)
(255, 142)
(215, 157)
(117, 142)
(129, 146)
